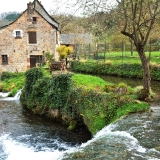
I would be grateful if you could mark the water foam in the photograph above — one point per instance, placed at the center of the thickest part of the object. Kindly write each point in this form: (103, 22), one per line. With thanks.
(15, 150)
(4, 96)
(122, 136)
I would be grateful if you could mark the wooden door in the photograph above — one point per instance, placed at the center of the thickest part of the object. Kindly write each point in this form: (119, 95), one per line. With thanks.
(32, 61)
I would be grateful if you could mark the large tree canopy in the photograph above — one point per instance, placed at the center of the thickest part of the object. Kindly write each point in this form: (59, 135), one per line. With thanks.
(139, 17)
(137, 20)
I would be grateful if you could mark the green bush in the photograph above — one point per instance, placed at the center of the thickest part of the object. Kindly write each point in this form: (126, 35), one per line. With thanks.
(60, 89)
(122, 70)
(64, 51)
(31, 77)
(7, 75)
(40, 91)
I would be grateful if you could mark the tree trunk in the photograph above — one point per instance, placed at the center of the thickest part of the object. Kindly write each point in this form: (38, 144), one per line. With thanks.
(146, 69)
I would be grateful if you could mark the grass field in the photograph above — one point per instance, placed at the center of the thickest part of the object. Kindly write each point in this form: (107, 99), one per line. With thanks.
(125, 57)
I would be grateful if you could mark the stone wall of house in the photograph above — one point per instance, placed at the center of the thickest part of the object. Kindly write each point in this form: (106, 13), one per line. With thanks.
(19, 50)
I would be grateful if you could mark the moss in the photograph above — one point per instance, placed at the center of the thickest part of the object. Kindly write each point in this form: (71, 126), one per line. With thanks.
(72, 125)
(158, 148)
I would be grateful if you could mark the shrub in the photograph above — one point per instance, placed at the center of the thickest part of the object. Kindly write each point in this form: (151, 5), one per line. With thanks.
(60, 89)
(64, 51)
(49, 59)
(32, 75)
(7, 75)
(40, 91)
(122, 70)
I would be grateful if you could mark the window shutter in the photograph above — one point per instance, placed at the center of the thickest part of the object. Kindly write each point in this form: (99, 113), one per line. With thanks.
(32, 37)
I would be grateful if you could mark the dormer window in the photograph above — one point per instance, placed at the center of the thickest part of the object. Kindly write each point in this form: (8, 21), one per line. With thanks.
(34, 19)
(18, 33)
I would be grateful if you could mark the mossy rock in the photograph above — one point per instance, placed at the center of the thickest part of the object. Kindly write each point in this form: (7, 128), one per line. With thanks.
(72, 125)
(144, 93)
(158, 148)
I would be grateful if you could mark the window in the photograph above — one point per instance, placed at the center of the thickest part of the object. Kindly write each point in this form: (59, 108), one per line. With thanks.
(32, 37)
(18, 34)
(38, 59)
(4, 59)
(34, 19)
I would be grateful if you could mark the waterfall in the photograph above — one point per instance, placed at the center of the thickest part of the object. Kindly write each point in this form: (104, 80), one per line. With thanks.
(17, 96)
(4, 96)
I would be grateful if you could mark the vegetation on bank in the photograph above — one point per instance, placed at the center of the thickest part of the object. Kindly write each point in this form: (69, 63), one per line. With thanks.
(133, 70)
(11, 82)
(66, 94)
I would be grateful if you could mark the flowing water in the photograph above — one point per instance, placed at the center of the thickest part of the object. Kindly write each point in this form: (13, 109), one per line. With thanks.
(24, 136)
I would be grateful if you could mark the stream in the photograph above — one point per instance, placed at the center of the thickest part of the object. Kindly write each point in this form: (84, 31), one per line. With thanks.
(24, 136)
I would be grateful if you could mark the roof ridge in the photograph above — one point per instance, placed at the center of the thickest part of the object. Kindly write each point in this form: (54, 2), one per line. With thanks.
(39, 2)
(50, 19)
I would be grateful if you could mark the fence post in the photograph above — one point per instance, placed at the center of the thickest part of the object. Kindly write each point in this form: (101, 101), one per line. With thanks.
(89, 46)
(105, 48)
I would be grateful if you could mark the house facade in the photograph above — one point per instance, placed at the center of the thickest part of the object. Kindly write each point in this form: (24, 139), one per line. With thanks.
(24, 42)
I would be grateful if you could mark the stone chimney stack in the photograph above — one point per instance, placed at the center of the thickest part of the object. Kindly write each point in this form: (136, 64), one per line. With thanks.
(30, 8)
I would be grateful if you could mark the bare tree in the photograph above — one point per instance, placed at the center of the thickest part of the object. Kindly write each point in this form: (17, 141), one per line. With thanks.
(139, 18)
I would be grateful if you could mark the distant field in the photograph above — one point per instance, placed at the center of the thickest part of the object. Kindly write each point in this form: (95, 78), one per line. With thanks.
(125, 57)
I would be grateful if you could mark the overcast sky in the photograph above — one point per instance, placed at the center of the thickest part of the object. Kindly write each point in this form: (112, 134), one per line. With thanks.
(49, 5)
(21, 5)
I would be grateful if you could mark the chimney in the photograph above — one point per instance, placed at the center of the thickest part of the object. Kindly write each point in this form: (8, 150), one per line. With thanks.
(30, 7)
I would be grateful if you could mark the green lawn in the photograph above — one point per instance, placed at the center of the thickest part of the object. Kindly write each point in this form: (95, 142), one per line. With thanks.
(125, 57)
(89, 82)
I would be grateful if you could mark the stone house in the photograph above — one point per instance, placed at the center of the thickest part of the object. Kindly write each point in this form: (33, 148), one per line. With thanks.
(72, 40)
(24, 42)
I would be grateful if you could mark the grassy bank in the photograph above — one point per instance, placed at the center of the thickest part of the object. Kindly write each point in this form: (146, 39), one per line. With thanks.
(122, 70)
(76, 98)
(11, 82)
(79, 99)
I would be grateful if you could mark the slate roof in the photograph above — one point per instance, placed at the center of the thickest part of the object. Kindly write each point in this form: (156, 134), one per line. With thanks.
(4, 23)
(75, 38)
(41, 10)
